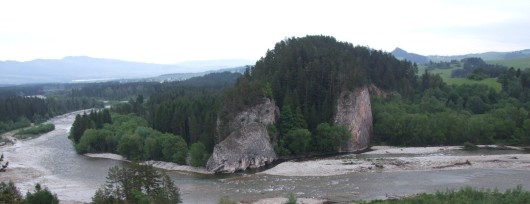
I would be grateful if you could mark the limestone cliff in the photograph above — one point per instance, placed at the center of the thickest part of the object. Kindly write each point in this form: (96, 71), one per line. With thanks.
(354, 110)
(248, 144)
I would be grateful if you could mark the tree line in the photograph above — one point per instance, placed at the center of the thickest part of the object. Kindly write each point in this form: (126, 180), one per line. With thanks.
(18, 111)
(131, 137)
(475, 68)
(132, 183)
(453, 115)
(304, 76)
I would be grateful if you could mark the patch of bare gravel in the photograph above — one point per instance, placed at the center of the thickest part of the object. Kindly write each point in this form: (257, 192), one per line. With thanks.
(434, 159)
(284, 200)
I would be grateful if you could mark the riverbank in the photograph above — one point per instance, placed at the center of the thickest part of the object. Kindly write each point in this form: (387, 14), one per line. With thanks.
(28, 163)
(284, 200)
(169, 166)
(391, 159)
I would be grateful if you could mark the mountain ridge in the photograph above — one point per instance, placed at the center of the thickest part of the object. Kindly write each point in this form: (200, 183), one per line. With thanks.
(486, 56)
(84, 68)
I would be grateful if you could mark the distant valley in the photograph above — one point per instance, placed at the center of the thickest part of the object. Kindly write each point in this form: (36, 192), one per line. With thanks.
(87, 69)
(516, 59)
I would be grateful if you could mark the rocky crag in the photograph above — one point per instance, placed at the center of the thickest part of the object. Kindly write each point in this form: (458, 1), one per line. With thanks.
(248, 144)
(354, 110)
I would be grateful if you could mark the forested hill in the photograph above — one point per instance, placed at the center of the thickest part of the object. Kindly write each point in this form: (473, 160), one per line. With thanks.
(309, 73)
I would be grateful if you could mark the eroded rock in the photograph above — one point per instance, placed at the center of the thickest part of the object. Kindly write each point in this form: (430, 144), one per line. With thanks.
(248, 144)
(249, 147)
(354, 110)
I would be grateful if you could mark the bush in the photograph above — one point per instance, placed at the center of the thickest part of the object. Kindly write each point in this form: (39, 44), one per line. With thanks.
(291, 199)
(226, 200)
(198, 154)
(9, 193)
(467, 195)
(41, 196)
(470, 146)
(298, 141)
(137, 184)
(37, 130)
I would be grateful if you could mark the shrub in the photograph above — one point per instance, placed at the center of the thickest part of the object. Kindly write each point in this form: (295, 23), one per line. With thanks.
(470, 146)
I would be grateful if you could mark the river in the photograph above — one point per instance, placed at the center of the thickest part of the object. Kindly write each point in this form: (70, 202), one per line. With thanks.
(52, 161)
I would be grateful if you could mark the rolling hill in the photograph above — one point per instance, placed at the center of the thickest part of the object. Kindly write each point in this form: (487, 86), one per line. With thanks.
(515, 58)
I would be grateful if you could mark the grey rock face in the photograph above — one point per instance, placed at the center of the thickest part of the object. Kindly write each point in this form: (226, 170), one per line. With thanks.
(354, 110)
(265, 113)
(248, 144)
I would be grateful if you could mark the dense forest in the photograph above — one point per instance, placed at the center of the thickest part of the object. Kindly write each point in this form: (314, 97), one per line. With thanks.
(304, 76)
(175, 122)
(477, 69)
(440, 114)
(19, 111)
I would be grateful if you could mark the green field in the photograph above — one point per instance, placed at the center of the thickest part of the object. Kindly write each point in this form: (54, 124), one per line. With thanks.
(521, 63)
(446, 76)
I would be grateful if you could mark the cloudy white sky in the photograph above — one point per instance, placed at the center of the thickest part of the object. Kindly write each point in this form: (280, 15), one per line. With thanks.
(175, 31)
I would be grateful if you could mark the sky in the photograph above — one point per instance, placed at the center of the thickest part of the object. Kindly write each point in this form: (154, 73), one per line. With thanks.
(167, 32)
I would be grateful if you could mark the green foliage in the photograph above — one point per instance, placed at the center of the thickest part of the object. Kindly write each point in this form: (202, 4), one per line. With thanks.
(41, 196)
(9, 193)
(131, 147)
(272, 130)
(297, 141)
(130, 137)
(226, 200)
(291, 199)
(452, 115)
(477, 105)
(470, 146)
(198, 154)
(466, 195)
(190, 113)
(174, 149)
(306, 75)
(328, 138)
(95, 141)
(3, 166)
(137, 184)
(291, 119)
(37, 130)
(94, 120)
(517, 63)
(17, 111)
(445, 74)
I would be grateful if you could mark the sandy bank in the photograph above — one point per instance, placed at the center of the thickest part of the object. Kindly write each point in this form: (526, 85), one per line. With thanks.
(284, 200)
(410, 150)
(106, 156)
(25, 163)
(434, 159)
(157, 164)
(176, 167)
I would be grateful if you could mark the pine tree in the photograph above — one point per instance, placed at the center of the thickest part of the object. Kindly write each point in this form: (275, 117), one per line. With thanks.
(77, 129)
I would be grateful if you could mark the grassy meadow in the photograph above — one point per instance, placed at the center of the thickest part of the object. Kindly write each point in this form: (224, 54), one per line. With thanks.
(446, 76)
(521, 63)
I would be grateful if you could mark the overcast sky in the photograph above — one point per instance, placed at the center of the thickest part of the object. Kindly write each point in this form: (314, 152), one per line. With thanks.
(175, 31)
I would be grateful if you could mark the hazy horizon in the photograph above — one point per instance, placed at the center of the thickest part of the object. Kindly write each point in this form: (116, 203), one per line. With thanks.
(167, 32)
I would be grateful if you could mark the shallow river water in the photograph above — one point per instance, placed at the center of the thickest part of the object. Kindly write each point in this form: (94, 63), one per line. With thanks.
(75, 178)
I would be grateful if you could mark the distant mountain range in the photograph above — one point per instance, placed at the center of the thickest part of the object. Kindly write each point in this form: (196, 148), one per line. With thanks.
(87, 69)
(486, 56)
(413, 57)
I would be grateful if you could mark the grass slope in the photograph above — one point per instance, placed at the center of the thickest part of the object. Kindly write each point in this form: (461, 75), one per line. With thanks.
(521, 63)
(466, 195)
(446, 76)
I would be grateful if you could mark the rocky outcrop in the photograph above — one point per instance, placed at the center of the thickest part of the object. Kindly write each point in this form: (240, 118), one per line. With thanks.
(354, 110)
(248, 145)
(265, 113)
